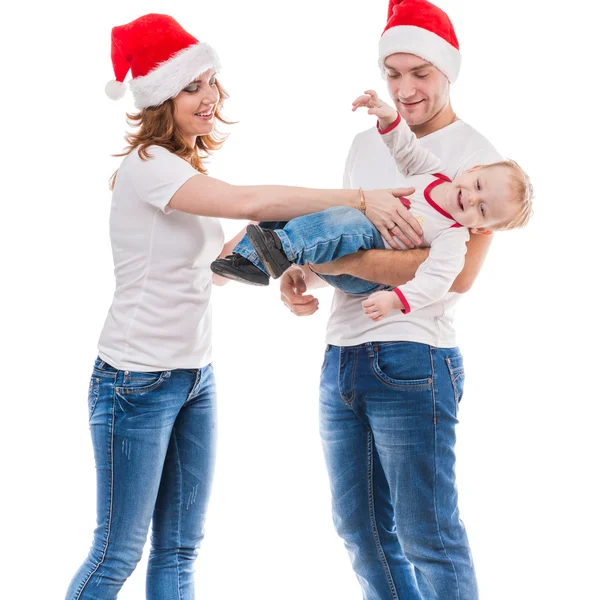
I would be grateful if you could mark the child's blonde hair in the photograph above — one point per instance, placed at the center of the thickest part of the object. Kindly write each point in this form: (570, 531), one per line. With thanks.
(523, 194)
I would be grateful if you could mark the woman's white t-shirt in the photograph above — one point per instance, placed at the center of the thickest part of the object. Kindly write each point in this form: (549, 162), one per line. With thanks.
(160, 317)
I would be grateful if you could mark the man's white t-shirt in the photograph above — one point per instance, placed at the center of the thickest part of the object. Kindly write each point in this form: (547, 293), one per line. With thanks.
(371, 166)
(160, 317)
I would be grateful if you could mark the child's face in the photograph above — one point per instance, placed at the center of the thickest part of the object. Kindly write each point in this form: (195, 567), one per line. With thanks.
(482, 199)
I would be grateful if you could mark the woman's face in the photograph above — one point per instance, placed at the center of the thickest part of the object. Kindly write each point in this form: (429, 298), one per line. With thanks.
(195, 107)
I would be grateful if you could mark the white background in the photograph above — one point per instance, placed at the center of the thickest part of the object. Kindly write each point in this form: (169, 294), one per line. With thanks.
(527, 452)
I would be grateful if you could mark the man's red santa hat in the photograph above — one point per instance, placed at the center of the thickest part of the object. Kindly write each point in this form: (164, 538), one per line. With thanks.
(421, 28)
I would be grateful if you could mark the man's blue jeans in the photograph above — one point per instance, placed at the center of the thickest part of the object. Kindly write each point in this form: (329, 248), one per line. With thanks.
(154, 445)
(388, 413)
(322, 237)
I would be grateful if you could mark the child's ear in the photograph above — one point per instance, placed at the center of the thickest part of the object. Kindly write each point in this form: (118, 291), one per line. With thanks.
(473, 168)
(481, 231)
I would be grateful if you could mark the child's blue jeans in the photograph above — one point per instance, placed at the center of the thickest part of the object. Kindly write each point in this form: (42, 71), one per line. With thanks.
(322, 237)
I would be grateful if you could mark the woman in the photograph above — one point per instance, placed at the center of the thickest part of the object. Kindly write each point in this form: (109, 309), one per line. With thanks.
(152, 391)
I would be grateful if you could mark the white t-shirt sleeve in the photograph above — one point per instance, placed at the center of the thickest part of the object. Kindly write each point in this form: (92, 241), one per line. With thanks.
(158, 178)
(435, 276)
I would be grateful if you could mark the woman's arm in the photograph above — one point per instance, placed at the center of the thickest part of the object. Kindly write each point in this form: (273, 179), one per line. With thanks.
(203, 195)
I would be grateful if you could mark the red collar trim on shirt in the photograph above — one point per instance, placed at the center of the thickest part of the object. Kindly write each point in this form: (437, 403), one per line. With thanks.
(441, 178)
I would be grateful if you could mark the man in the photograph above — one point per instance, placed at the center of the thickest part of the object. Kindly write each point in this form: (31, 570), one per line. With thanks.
(390, 390)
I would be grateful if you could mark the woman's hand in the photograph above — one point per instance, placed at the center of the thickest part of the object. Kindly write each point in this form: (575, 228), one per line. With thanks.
(383, 111)
(387, 212)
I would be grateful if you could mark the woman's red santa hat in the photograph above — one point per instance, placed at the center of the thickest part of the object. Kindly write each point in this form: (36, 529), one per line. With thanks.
(162, 56)
(421, 28)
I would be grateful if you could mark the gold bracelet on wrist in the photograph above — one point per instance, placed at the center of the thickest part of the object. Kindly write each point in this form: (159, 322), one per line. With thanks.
(363, 202)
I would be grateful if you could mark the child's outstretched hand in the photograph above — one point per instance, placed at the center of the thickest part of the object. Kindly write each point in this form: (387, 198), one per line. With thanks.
(381, 304)
(383, 111)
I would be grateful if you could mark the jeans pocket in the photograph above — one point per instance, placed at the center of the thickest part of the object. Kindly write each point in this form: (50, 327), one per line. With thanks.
(325, 358)
(93, 394)
(457, 377)
(140, 382)
(390, 367)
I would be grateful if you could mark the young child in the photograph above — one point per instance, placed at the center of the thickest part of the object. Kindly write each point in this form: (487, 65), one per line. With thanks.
(484, 199)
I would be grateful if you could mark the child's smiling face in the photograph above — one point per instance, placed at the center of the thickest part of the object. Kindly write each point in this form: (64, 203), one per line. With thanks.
(482, 198)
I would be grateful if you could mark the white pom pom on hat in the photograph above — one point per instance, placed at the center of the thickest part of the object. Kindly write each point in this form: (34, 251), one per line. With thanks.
(115, 90)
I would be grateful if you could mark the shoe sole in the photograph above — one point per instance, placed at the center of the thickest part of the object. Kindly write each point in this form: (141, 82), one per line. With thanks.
(234, 275)
(256, 237)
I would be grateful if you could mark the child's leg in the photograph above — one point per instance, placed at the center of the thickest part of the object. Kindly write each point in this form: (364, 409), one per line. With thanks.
(319, 238)
(244, 248)
(242, 265)
(315, 239)
(325, 236)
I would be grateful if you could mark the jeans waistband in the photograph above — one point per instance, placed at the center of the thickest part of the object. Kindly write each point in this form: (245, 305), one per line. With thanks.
(100, 365)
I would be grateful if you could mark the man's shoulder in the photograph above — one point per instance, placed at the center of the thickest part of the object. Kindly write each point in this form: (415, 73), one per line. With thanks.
(466, 137)
(366, 138)
(460, 147)
(369, 163)
(457, 133)
(368, 145)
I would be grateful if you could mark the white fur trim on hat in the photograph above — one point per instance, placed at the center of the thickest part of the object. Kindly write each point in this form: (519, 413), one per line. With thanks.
(171, 76)
(422, 43)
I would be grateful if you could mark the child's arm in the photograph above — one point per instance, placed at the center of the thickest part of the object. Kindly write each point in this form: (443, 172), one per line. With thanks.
(432, 280)
(411, 158)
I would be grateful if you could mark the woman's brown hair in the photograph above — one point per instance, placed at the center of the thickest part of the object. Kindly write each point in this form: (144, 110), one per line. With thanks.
(156, 127)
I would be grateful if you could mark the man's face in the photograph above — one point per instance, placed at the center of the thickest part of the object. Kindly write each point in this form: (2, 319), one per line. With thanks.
(419, 90)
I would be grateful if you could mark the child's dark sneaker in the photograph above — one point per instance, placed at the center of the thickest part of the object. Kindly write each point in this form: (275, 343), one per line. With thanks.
(238, 268)
(269, 249)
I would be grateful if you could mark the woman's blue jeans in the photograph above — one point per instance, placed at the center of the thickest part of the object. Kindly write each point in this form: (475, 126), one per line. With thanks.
(154, 446)
(323, 237)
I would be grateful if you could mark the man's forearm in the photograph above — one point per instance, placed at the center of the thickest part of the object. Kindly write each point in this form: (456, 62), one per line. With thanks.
(395, 268)
(311, 279)
(387, 267)
(477, 249)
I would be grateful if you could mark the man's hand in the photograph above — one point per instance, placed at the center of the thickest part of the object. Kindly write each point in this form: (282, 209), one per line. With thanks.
(293, 293)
